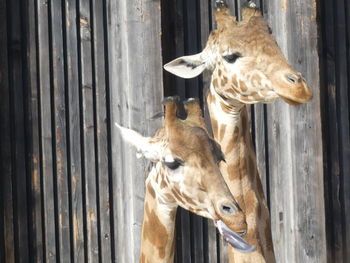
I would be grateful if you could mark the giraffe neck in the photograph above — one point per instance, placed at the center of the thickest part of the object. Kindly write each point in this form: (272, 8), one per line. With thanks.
(231, 130)
(157, 242)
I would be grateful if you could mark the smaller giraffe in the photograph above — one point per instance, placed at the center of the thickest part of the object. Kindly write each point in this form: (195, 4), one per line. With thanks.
(184, 173)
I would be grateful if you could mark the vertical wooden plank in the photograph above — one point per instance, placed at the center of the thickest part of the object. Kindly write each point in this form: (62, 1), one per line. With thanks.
(16, 48)
(295, 162)
(60, 137)
(194, 88)
(36, 245)
(223, 256)
(88, 131)
(192, 44)
(332, 180)
(279, 150)
(306, 121)
(179, 45)
(5, 142)
(46, 132)
(101, 130)
(197, 225)
(74, 135)
(183, 239)
(136, 92)
(343, 99)
(205, 13)
(259, 136)
(212, 243)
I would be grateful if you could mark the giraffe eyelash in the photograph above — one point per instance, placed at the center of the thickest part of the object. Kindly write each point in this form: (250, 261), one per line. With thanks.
(174, 165)
(231, 58)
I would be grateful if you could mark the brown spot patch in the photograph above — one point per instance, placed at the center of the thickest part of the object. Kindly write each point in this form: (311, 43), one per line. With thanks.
(189, 200)
(223, 81)
(243, 166)
(242, 86)
(143, 258)
(177, 196)
(163, 184)
(234, 82)
(169, 196)
(264, 92)
(244, 121)
(251, 202)
(232, 90)
(233, 171)
(214, 126)
(222, 131)
(210, 98)
(219, 72)
(256, 96)
(252, 168)
(233, 141)
(152, 224)
(215, 83)
(151, 190)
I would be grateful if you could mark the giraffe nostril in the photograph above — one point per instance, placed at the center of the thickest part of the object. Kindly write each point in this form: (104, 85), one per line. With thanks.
(292, 78)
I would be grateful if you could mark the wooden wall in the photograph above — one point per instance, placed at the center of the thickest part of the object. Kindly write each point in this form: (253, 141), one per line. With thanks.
(71, 191)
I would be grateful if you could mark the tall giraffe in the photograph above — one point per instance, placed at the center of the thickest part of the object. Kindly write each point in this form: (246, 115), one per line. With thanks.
(247, 67)
(184, 173)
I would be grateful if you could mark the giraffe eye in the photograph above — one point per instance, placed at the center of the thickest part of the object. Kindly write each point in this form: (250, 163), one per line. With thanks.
(174, 164)
(231, 58)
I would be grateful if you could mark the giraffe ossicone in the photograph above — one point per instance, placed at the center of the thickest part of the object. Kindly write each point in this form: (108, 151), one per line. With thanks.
(184, 173)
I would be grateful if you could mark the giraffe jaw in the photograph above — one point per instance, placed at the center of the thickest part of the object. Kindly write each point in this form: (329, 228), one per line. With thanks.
(234, 239)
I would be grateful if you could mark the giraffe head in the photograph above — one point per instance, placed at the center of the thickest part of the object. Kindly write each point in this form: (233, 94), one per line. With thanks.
(247, 64)
(187, 174)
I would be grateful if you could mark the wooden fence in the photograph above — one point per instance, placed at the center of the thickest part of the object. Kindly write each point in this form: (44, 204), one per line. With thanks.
(71, 191)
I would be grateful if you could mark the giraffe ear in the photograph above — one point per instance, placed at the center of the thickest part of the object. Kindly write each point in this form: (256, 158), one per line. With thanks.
(145, 145)
(187, 66)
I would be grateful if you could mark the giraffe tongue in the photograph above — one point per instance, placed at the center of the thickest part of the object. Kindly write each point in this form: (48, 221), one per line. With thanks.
(233, 238)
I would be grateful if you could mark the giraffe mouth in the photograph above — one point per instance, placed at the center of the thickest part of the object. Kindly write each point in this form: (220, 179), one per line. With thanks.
(234, 239)
(291, 102)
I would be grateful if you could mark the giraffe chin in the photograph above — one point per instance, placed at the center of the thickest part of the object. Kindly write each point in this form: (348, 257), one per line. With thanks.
(234, 239)
(291, 102)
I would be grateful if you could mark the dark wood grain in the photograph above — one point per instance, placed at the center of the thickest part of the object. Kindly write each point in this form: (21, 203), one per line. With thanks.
(60, 137)
(332, 180)
(46, 133)
(7, 243)
(36, 246)
(16, 80)
(342, 56)
(102, 150)
(88, 132)
(73, 131)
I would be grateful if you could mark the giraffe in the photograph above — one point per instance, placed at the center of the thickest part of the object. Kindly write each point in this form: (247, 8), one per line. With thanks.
(184, 173)
(247, 67)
